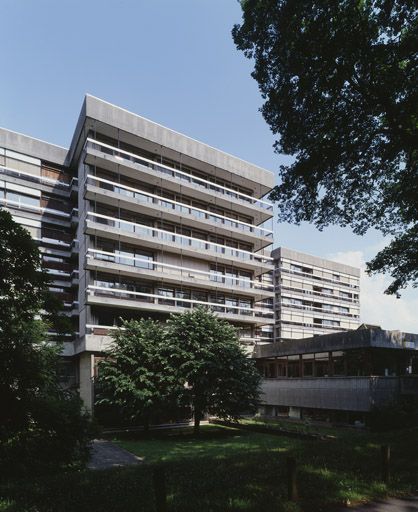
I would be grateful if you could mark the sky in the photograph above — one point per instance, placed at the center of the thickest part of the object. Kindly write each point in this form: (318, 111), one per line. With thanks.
(175, 63)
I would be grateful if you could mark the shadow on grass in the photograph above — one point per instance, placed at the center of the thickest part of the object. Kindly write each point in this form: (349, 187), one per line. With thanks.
(228, 471)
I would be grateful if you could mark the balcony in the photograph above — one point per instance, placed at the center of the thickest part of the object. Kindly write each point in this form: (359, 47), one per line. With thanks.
(324, 312)
(34, 178)
(134, 266)
(122, 298)
(317, 279)
(147, 236)
(150, 204)
(310, 293)
(99, 153)
(98, 339)
(337, 393)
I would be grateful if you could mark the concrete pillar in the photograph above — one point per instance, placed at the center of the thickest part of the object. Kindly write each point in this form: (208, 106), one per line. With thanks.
(86, 369)
(295, 413)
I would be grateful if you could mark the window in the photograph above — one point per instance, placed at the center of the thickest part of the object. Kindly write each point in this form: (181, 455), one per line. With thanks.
(22, 199)
(166, 292)
(183, 294)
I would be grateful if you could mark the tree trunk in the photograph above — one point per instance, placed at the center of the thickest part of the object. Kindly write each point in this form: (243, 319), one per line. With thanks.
(196, 428)
(146, 424)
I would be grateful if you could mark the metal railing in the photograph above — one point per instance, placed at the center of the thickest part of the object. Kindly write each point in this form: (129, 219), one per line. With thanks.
(177, 301)
(183, 240)
(148, 198)
(175, 270)
(163, 169)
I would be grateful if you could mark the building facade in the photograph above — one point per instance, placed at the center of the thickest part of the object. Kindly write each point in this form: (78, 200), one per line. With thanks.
(339, 377)
(313, 296)
(137, 220)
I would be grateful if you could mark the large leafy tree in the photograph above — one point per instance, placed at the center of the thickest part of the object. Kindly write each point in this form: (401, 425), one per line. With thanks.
(339, 80)
(41, 425)
(137, 378)
(219, 378)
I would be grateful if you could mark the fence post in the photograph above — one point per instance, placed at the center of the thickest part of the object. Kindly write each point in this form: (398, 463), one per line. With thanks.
(160, 491)
(292, 491)
(385, 449)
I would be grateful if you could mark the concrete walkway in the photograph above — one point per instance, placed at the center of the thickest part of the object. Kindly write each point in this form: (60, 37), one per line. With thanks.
(391, 505)
(105, 455)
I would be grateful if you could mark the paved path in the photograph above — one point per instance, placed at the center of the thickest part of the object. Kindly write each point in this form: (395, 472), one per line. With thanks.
(105, 455)
(392, 505)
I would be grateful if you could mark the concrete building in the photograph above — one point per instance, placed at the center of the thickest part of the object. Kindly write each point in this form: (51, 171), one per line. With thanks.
(313, 296)
(340, 376)
(136, 220)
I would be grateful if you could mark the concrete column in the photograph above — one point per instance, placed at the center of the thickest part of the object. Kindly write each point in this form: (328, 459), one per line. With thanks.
(86, 368)
(295, 413)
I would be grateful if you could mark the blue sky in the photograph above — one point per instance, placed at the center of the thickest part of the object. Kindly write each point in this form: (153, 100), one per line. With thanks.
(175, 63)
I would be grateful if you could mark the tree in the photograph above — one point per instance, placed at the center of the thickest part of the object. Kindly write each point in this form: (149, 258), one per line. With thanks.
(41, 425)
(219, 378)
(339, 80)
(136, 378)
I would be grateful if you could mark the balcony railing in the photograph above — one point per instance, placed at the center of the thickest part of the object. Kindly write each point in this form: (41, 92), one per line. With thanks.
(27, 176)
(163, 300)
(39, 209)
(317, 294)
(319, 278)
(186, 241)
(106, 330)
(148, 198)
(319, 310)
(175, 270)
(175, 173)
(313, 326)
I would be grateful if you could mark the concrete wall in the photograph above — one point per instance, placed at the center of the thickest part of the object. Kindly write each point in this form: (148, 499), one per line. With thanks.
(336, 393)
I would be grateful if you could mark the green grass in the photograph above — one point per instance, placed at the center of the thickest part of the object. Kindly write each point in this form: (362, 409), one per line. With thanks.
(229, 470)
(213, 442)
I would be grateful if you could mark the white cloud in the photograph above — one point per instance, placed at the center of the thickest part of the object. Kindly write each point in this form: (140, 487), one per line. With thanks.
(376, 307)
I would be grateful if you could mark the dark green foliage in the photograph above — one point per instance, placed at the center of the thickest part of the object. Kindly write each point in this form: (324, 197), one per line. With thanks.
(41, 426)
(221, 379)
(137, 378)
(339, 80)
(195, 359)
(394, 416)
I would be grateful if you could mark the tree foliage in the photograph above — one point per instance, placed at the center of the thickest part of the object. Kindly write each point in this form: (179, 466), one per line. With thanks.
(195, 359)
(137, 378)
(41, 425)
(339, 80)
(220, 378)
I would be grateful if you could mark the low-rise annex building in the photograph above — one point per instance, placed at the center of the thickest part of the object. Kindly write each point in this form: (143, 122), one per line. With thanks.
(338, 377)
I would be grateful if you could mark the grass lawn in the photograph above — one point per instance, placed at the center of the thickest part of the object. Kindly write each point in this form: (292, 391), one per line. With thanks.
(229, 470)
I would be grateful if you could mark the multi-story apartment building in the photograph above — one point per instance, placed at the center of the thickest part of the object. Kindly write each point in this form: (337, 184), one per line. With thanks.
(138, 220)
(313, 296)
(40, 192)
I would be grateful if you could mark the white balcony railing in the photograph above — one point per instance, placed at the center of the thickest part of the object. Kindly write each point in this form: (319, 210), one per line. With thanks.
(183, 240)
(148, 198)
(39, 209)
(175, 173)
(319, 310)
(163, 300)
(27, 176)
(175, 270)
(106, 330)
(319, 279)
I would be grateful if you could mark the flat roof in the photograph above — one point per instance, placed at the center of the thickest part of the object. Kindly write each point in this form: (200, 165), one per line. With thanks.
(31, 146)
(348, 340)
(317, 261)
(174, 143)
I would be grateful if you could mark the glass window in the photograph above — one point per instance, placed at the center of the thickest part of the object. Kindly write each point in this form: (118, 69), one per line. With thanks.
(22, 199)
